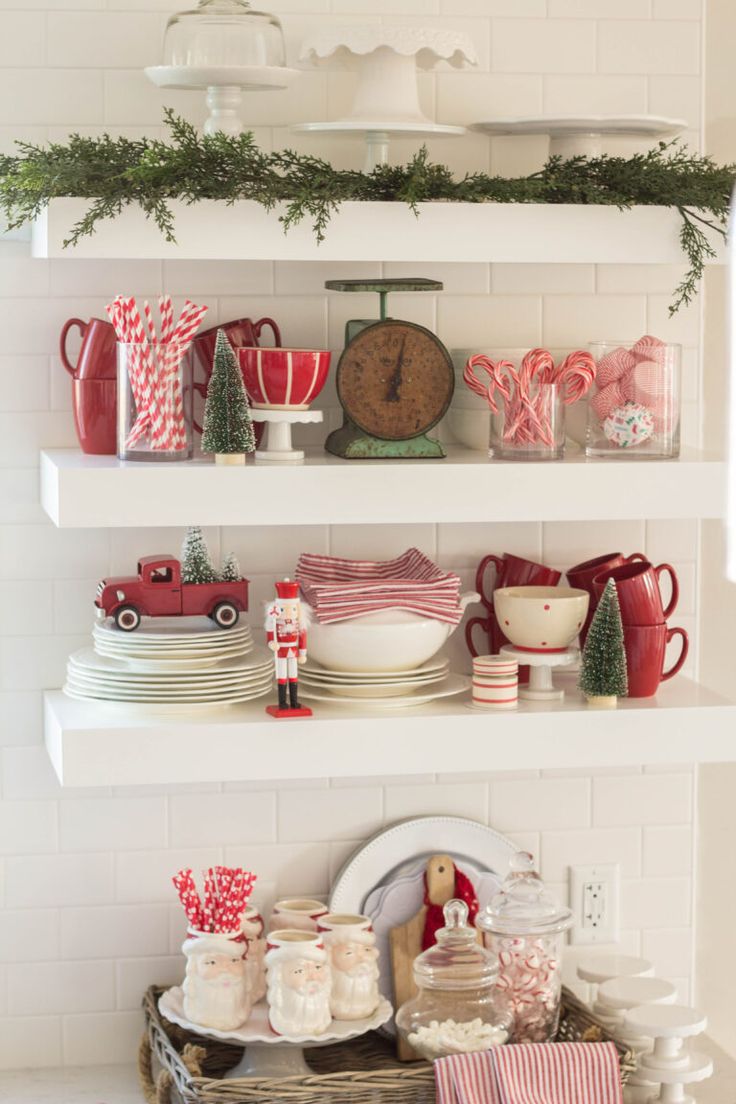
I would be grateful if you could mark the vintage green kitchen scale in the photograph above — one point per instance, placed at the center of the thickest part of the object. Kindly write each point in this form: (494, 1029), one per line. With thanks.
(395, 381)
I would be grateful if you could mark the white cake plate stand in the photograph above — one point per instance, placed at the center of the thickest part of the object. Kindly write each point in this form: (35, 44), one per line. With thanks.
(541, 664)
(277, 447)
(224, 85)
(585, 135)
(267, 1054)
(386, 103)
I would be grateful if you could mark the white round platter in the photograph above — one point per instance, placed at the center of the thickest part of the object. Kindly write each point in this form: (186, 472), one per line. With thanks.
(172, 697)
(437, 663)
(178, 630)
(201, 678)
(166, 651)
(162, 707)
(372, 689)
(258, 1038)
(182, 666)
(453, 684)
(88, 659)
(249, 78)
(80, 680)
(556, 125)
(397, 856)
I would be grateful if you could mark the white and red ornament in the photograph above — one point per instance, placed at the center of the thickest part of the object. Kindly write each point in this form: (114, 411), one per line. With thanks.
(629, 425)
(286, 635)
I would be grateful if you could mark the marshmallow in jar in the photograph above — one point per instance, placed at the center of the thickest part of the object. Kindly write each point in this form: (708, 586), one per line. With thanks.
(298, 980)
(254, 930)
(299, 913)
(457, 1009)
(351, 947)
(524, 927)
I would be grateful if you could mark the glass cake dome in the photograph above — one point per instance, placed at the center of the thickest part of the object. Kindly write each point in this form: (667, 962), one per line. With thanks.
(223, 33)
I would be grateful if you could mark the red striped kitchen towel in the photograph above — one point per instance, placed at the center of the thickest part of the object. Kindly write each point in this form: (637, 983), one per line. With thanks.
(339, 589)
(540, 1073)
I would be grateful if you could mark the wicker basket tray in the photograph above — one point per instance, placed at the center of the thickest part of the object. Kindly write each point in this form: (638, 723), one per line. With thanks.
(177, 1065)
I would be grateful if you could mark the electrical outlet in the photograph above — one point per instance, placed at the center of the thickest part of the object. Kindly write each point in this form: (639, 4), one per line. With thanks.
(594, 899)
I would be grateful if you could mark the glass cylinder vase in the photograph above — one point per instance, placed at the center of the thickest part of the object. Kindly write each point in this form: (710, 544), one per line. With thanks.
(529, 426)
(634, 403)
(155, 402)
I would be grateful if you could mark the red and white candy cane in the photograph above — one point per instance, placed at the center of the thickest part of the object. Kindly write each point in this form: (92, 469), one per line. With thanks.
(576, 374)
(494, 370)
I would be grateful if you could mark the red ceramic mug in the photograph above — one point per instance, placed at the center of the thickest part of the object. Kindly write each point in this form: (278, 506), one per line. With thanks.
(95, 405)
(646, 647)
(513, 571)
(583, 574)
(240, 333)
(639, 594)
(98, 354)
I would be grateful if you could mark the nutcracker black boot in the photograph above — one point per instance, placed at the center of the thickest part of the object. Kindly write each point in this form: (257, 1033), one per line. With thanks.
(282, 696)
(294, 694)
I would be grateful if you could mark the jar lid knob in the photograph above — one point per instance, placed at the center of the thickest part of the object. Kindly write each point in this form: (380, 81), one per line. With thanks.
(522, 862)
(456, 914)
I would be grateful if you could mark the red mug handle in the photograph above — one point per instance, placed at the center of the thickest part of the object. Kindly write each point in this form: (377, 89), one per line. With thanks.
(485, 625)
(683, 654)
(262, 323)
(675, 587)
(635, 557)
(201, 389)
(500, 565)
(82, 327)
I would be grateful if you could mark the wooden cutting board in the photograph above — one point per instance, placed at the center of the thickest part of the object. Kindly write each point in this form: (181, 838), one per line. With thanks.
(406, 940)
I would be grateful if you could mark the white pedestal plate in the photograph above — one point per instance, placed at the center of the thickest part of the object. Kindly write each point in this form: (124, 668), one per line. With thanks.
(671, 1064)
(586, 135)
(541, 685)
(386, 103)
(224, 85)
(277, 447)
(267, 1054)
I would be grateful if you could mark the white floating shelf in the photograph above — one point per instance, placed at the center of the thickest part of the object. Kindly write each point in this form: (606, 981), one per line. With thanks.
(93, 744)
(516, 232)
(81, 491)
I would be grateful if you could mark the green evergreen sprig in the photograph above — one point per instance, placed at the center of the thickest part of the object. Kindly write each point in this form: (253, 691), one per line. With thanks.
(114, 173)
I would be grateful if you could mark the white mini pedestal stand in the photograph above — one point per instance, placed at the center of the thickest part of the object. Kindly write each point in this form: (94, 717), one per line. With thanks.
(670, 1064)
(277, 447)
(267, 1054)
(224, 86)
(386, 102)
(540, 686)
(617, 996)
(585, 136)
(602, 967)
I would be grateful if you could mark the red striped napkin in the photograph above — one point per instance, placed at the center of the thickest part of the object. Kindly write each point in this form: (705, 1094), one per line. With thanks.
(339, 589)
(540, 1073)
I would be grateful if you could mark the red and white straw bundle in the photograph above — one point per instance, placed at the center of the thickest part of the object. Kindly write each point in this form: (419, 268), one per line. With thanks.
(226, 894)
(527, 394)
(153, 367)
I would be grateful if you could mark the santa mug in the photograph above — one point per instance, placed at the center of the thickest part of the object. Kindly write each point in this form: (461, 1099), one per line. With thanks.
(254, 930)
(351, 946)
(298, 913)
(298, 983)
(216, 988)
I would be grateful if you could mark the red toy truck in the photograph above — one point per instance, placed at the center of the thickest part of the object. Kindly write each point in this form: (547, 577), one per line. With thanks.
(157, 591)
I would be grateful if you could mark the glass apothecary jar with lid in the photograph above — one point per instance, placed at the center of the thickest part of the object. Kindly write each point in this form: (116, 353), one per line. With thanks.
(458, 1008)
(524, 928)
(223, 33)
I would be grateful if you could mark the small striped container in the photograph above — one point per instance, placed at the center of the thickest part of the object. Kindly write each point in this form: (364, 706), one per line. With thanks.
(495, 682)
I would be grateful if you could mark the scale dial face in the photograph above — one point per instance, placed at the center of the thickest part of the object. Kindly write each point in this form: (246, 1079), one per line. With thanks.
(395, 380)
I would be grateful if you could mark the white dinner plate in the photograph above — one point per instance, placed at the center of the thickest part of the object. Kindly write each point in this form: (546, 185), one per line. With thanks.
(432, 666)
(176, 629)
(453, 684)
(80, 679)
(89, 659)
(373, 690)
(159, 707)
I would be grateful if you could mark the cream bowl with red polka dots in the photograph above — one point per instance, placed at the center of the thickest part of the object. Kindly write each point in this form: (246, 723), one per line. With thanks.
(540, 618)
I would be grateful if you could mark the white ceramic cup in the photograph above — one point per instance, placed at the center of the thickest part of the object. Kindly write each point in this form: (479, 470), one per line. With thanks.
(297, 913)
(351, 946)
(298, 983)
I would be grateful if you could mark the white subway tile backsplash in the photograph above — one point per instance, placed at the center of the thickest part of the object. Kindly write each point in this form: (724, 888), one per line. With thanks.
(291, 868)
(469, 800)
(524, 279)
(56, 987)
(114, 931)
(667, 851)
(569, 543)
(502, 320)
(145, 876)
(638, 47)
(561, 850)
(103, 825)
(671, 951)
(46, 97)
(46, 881)
(203, 820)
(51, 553)
(548, 803)
(27, 827)
(29, 935)
(134, 975)
(576, 320)
(30, 1041)
(116, 1034)
(21, 714)
(465, 98)
(120, 41)
(536, 46)
(329, 814)
(644, 799)
(655, 903)
(25, 608)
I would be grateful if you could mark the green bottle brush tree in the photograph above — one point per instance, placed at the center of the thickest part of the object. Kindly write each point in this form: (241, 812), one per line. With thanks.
(228, 426)
(603, 677)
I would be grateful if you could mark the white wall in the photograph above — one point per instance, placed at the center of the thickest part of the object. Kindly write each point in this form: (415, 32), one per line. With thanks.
(87, 917)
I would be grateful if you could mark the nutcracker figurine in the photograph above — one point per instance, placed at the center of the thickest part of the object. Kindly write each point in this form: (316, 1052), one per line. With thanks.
(286, 635)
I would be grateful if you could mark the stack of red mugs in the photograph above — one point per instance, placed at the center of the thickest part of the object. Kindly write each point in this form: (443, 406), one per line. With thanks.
(643, 613)
(510, 571)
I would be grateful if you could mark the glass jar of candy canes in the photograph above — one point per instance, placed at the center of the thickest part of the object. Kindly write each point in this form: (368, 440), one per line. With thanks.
(457, 1009)
(634, 404)
(524, 927)
(155, 402)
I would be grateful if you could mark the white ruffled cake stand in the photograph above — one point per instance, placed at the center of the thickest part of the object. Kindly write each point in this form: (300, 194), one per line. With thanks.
(267, 1054)
(386, 101)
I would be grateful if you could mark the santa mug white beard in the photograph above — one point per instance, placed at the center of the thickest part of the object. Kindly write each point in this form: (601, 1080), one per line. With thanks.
(253, 928)
(297, 914)
(216, 987)
(298, 980)
(351, 946)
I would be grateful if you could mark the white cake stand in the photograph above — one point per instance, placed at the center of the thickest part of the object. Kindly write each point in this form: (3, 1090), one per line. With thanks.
(267, 1054)
(386, 104)
(277, 447)
(541, 686)
(585, 135)
(224, 85)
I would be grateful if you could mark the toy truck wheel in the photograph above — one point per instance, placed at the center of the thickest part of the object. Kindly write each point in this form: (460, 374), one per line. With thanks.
(127, 618)
(225, 614)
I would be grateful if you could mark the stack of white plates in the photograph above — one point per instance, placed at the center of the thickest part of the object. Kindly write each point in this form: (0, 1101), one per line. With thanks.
(172, 643)
(381, 688)
(94, 677)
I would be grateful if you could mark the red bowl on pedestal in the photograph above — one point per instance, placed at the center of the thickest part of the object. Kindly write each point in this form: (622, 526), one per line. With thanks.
(283, 379)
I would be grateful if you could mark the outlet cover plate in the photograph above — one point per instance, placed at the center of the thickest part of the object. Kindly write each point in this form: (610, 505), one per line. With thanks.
(595, 893)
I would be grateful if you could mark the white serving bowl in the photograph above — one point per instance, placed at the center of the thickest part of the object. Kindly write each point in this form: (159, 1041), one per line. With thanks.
(389, 640)
(540, 618)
